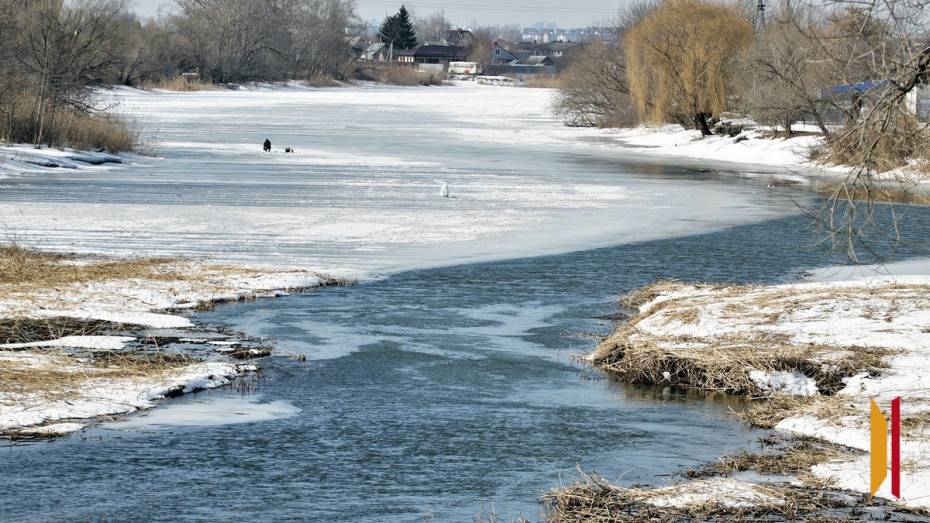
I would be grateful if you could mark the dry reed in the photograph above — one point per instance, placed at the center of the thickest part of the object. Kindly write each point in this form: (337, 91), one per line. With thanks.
(23, 269)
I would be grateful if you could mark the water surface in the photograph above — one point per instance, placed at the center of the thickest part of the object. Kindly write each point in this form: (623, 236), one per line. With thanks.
(433, 394)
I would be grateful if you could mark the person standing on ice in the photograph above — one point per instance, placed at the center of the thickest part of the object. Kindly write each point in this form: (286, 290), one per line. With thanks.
(267, 145)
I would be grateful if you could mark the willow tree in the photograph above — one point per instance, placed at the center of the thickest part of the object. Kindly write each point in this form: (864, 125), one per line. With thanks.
(682, 60)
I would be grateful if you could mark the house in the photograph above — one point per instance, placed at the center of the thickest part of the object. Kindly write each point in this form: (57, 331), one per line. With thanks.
(501, 55)
(531, 66)
(376, 52)
(355, 44)
(563, 49)
(433, 56)
(545, 61)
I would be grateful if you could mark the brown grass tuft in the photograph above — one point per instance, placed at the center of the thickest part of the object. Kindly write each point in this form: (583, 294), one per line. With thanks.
(725, 366)
(395, 74)
(23, 269)
(97, 131)
(29, 330)
(544, 82)
(592, 499)
(60, 376)
(794, 457)
(180, 84)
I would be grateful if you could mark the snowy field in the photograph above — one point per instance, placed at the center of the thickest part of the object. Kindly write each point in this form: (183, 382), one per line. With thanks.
(362, 190)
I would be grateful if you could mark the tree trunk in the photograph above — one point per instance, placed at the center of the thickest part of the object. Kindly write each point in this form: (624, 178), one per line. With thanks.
(700, 123)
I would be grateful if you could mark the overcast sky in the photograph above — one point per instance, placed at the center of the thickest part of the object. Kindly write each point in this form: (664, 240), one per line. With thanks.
(465, 12)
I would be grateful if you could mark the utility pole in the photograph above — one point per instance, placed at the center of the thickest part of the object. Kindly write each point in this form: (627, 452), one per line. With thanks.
(758, 17)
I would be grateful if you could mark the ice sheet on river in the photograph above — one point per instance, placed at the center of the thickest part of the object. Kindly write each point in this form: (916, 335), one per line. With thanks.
(362, 189)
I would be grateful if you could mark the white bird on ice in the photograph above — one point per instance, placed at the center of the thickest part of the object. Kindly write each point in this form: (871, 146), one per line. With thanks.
(444, 191)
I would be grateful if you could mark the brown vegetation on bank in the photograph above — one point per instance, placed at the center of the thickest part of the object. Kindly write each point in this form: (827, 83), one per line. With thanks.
(396, 74)
(56, 375)
(22, 270)
(722, 363)
(178, 84)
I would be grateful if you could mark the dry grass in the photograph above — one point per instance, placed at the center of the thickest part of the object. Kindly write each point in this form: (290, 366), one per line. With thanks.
(725, 366)
(897, 142)
(95, 132)
(22, 269)
(793, 457)
(60, 376)
(594, 500)
(29, 330)
(723, 362)
(767, 414)
(322, 81)
(394, 74)
(544, 82)
(180, 84)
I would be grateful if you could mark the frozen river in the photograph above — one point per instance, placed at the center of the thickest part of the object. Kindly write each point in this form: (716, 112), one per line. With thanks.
(362, 189)
(445, 390)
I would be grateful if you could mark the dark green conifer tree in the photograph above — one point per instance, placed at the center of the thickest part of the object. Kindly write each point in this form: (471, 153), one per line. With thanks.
(398, 30)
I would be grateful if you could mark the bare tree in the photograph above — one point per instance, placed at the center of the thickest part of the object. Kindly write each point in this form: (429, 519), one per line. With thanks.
(595, 90)
(883, 46)
(64, 48)
(787, 70)
(431, 28)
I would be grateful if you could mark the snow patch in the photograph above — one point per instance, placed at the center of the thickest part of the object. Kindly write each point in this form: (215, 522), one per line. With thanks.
(725, 492)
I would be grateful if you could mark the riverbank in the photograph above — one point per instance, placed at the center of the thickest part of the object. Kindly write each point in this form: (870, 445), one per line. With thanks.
(84, 337)
(757, 147)
(813, 355)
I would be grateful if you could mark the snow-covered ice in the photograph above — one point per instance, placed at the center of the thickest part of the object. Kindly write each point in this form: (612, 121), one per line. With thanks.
(207, 411)
(360, 191)
(99, 396)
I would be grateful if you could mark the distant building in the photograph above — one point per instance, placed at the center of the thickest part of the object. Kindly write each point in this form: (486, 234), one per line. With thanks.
(435, 55)
(563, 49)
(356, 45)
(532, 54)
(501, 55)
(545, 61)
(376, 52)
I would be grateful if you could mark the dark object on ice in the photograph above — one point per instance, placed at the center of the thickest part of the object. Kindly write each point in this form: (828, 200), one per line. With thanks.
(288, 150)
(741, 138)
(267, 145)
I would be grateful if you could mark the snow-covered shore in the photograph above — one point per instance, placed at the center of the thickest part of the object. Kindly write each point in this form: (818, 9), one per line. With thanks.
(753, 147)
(837, 344)
(51, 387)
